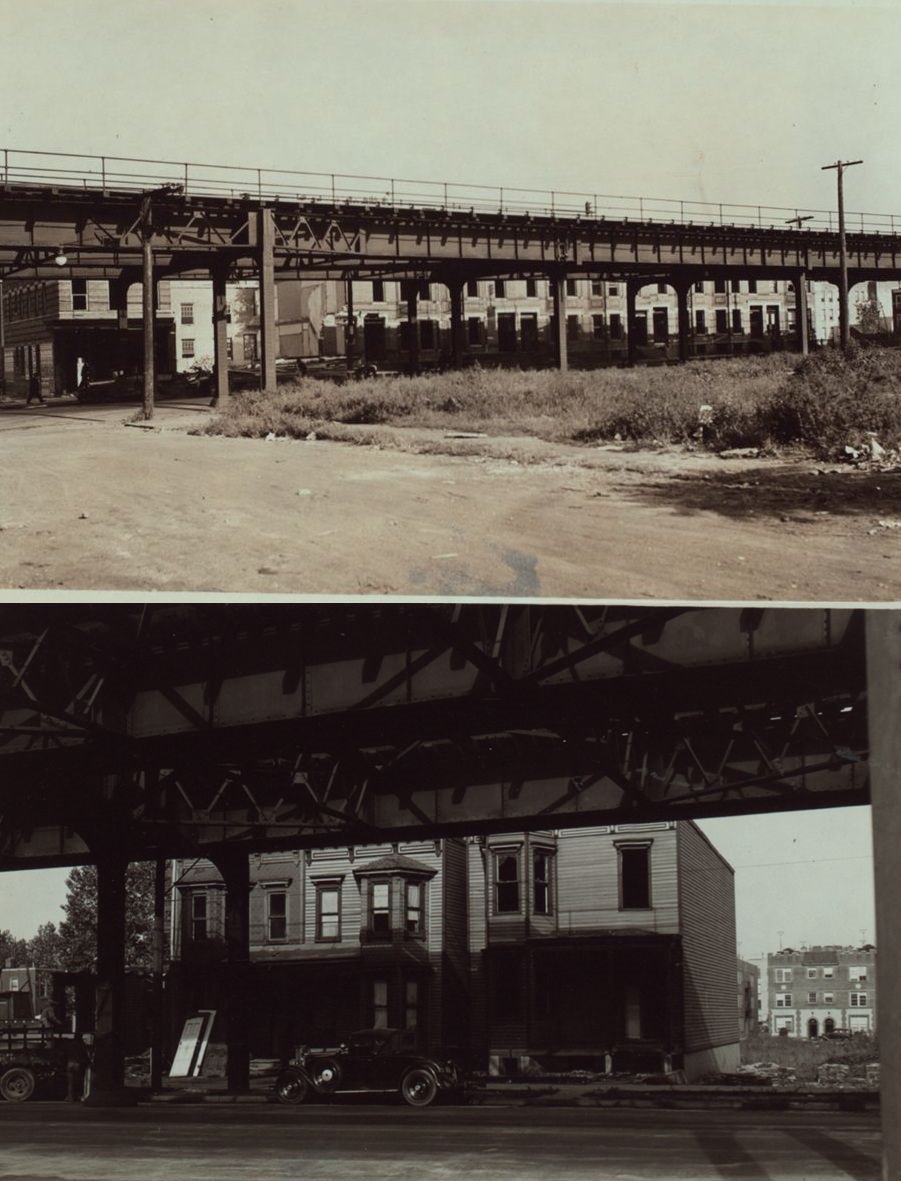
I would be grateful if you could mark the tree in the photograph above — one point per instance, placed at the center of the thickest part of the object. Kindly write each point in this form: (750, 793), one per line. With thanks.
(13, 952)
(78, 930)
(45, 947)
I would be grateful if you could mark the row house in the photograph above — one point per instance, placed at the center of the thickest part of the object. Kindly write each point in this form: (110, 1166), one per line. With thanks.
(610, 947)
(511, 320)
(819, 989)
(53, 328)
(192, 314)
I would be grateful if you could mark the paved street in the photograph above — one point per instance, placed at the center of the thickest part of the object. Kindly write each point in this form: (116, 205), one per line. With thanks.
(376, 1142)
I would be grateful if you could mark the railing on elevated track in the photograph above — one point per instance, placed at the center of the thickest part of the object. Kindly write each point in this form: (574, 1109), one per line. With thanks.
(123, 173)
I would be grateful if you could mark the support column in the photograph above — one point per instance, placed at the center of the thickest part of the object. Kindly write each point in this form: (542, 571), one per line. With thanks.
(455, 289)
(682, 287)
(148, 302)
(350, 336)
(631, 343)
(108, 1072)
(266, 273)
(884, 706)
(413, 322)
(558, 289)
(803, 322)
(159, 942)
(235, 870)
(219, 275)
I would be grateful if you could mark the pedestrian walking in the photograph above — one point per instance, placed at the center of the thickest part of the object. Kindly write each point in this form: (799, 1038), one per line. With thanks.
(34, 390)
(76, 1066)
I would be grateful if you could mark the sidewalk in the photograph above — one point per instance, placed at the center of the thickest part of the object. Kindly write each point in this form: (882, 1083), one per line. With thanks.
(506, 1094)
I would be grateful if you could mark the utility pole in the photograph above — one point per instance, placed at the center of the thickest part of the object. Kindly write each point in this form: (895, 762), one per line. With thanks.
(844, 323)
(148, 304)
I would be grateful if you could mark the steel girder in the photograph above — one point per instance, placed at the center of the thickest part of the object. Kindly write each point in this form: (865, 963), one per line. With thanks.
(103, 230)
(179, 730)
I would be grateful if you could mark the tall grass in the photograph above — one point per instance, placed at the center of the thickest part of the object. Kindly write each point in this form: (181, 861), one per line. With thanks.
(823, 403)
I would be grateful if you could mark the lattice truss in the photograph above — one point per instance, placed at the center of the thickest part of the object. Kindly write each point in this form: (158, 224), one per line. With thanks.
(441, 719)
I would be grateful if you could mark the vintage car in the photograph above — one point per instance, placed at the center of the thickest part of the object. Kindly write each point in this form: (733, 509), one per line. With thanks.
(372, 1061)
(32, 1064)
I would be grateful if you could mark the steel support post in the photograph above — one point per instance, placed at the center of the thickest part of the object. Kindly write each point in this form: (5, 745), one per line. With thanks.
(108, 1069)
(631, 342)
(148, 303)
(234, 867)
(219, 275)
(682, 287)
(350, 335)
(455, 290)
(802, 326)
(558, 290)
(884, 712)
(266, 274)
(158, 948)
(412, 326)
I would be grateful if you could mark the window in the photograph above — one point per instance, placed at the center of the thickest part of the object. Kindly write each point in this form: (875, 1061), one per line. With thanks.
(531, 287)
(474, 330)
(570, 287)
(380, 1004)
(783, 1000)
(230, 349)
(634, 877)
(414, 923)
(506, 883)
(811, 998)
(811, 973)
(276, 915)
(380, 908)
(328, 913)
(425, 291)
(472, 288)
(752, 287)
(828, 973)
(661, 289)
(783, 975)
(187, 346)
(857, 1000)
(500, 288)
(572, 327)
(79, 295)
(199, 917)
(378, 291)
(616, 326)
(722, 320)
(411, 1004)
(597, 327)
(736, 320)
(719, 286)
(597, 287)
(700, 321)
(250, 348)
(613, 289)
(828, 998)
(857, 974)
(699, 288)
(187, 313)
(541, 881)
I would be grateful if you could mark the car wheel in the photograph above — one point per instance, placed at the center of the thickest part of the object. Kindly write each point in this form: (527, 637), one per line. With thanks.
(326, 1075)
(17, 1085)
(292, 1089)
(418, 1087)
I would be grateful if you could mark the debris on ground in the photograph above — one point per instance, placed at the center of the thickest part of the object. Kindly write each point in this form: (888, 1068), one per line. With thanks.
(740, 453)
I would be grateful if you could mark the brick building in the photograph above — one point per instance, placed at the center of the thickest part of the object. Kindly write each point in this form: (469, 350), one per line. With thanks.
(608, 947)
(819, 989)
(748, 978)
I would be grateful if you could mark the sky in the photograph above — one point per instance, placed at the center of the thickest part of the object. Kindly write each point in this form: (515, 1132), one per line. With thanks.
(720, 101)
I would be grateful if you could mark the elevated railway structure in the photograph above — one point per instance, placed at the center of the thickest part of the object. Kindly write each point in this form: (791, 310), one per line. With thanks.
(133, 220)
(134, 732)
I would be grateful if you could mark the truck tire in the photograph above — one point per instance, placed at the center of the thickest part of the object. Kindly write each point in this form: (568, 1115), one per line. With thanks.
(17, 1084)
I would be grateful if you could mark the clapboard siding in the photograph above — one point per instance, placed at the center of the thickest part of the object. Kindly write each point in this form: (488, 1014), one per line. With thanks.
(707, 912)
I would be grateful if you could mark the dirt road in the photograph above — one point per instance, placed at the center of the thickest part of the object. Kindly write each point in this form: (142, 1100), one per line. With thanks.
(89, 503)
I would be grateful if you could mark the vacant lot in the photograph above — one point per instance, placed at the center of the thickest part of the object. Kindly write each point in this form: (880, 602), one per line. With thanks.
(88, 503)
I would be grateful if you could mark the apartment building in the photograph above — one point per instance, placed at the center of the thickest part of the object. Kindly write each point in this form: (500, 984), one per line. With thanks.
(607, 947)
(192, 314)
(748, 977)
(819, 989)
(52, 328)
